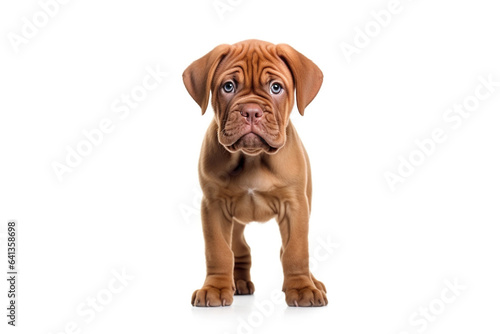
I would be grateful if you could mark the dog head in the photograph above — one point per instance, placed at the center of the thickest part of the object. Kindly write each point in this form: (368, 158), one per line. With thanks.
(252, 85)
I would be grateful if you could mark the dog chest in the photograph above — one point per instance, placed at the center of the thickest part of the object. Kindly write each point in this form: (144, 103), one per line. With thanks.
(252, 205)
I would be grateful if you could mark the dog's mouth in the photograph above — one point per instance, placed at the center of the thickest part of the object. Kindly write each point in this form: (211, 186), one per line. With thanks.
(251, 144)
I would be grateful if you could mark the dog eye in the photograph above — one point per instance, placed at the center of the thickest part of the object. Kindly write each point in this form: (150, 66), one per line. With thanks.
(228, 87)
(276, 88)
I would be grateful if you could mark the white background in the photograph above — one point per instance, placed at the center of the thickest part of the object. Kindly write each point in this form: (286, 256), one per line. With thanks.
(133, 202)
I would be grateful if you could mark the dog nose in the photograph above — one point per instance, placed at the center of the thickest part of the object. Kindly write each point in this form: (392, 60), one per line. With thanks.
(252, 112)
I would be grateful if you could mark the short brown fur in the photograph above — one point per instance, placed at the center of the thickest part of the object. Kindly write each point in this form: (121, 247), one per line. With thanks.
(253, 166)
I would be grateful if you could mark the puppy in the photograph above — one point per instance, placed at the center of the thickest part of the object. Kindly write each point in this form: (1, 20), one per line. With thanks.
(253, 166)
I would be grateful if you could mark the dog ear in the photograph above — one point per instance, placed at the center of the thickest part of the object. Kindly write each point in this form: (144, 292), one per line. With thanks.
(307, 76)
(198, 76)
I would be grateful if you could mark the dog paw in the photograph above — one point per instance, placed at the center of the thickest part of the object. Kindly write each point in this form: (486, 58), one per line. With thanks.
(244, 287)
(306, 297)
(212, 296)
(319, 285)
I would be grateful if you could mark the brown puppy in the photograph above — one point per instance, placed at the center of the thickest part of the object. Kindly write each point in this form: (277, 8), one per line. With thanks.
(253, 166)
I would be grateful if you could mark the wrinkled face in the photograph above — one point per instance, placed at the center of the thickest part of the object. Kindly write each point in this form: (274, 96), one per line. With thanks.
(252, 85)
(252, 96)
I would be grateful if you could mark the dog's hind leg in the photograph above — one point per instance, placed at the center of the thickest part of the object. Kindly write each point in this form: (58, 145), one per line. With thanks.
(242, 261)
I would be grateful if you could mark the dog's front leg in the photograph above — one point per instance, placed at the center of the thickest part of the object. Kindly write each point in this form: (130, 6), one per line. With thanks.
(218, 288)
(299, 286)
